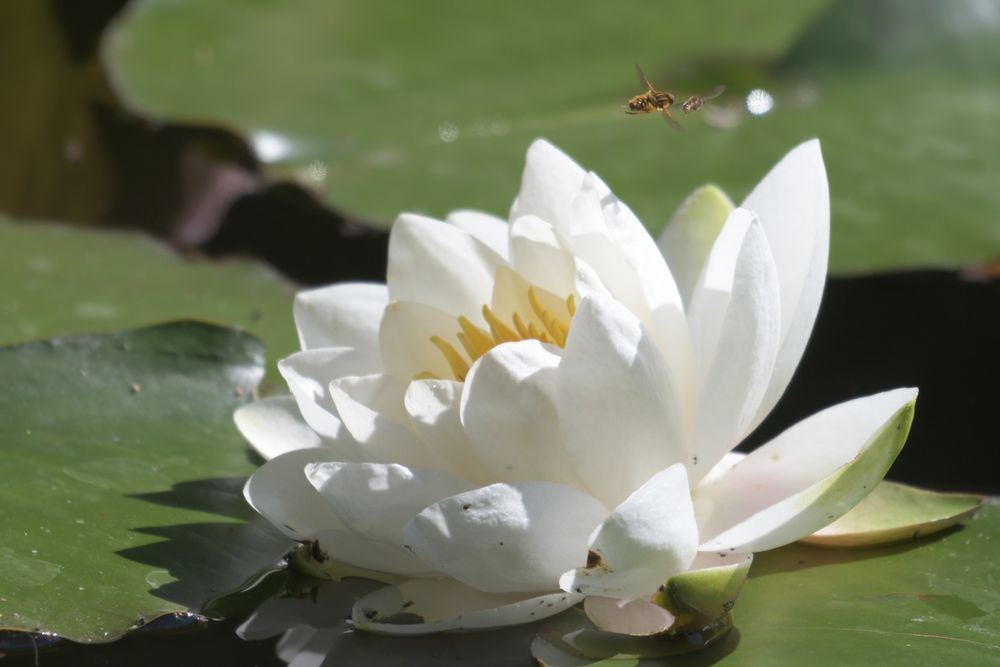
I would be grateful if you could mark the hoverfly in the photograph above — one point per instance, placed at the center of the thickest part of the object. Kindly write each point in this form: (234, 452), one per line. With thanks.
(696, 102)
(652, 100)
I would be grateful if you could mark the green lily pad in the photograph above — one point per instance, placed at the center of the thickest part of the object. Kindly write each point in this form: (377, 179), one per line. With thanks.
(896, 512)
(928, 602)
(121, 484)
(385, 107)
(59, 281)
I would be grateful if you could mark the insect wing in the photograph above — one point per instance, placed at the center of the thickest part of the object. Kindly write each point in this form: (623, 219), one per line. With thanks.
(642, 78)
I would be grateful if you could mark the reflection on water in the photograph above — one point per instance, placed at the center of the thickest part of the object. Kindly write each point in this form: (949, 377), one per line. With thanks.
(759, 102)
(448, 132)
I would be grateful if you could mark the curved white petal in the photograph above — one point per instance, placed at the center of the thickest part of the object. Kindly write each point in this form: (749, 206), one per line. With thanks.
(446, 604)
(690, 233)
(344, 546)
(343, 315)
(537, 254)
(274, 426)
(806, 477)
(793, 202)
(281, 493)
(371, 408)
(637, 616)
(618, 410)
(434, 410)
(645, 540)
(485, 227)
(550, 182)
(735, 323)
(440, 265)
(308, 375)
(506, 537)
(376, 500)
(508, 410)
(405, 339)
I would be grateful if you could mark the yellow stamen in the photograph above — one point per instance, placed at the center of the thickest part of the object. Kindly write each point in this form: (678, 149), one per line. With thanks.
(500, 331)
(479, 340)
(519, 325)
(571, 305)
(451, 355)
(426, 375)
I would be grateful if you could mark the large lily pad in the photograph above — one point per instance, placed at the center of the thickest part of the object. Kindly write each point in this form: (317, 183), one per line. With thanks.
(933, 601)
(58, 281)
(120, 489)
(429, 106)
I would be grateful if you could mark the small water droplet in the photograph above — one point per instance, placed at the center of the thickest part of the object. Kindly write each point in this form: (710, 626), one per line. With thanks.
(759, 102)
(448, 132)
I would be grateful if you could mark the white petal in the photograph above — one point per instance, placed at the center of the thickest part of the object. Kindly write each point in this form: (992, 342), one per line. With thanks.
(344, 315)
(371, 408)
(638, 616)
(617, 407)
(735, 322)
(507, 537)
(488, 228)
(308, 374)
(376, 500)
(648, 538)
(445, 604)
(281, 493)
(538, 255)
(439, 265)
(405, 339)
(274, 426)
(509, 414)
(793, 202)
(549, 184)
(806, 477)
(345, 546)
(434, 409)
(690, 233)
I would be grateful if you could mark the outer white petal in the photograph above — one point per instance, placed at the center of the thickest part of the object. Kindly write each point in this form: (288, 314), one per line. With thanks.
(308, 374)
(793, 202)
(648, 538)
(446, 604)
(281, 493)
(405, 339)
(806, 477)
(440, 265)
(376, 500)
(690, 233)
(538, 255)
(274, 426)
(509, 413)
(618, 411)
(637, 616)
(507, 538)
(735, 322)
(344, 315)
(371, 408)
(347, 547)
(433, 406)
(488, 228)
(549, 184)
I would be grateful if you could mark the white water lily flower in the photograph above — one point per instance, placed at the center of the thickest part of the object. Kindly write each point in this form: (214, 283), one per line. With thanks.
(534, 411)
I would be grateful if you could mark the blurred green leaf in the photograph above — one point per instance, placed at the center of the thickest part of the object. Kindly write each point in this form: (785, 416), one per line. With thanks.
(429, 106)
(121, 484)
(59, 281)
(929, 602)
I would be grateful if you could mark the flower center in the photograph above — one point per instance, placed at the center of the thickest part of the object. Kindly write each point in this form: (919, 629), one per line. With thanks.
(540, 323)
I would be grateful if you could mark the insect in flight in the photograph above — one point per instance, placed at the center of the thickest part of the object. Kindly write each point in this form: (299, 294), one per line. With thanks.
(696, 102)
(652, 100)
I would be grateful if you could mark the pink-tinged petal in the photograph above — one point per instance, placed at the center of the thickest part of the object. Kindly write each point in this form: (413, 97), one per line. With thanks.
(308, 374)
(509, 413)
(376, 500)
(793, 202)
(280, 492)
(807, 477)
(434, 410)
(440, 265)
(549, 184)
(645, 540)
(506, 538)
(637, 616)
(371, 408)
(274, 426)
(405, 339)
(344, 315)
(489, 229)
(446, 604)
(735, 324)
(611, 375)
(538, 255)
